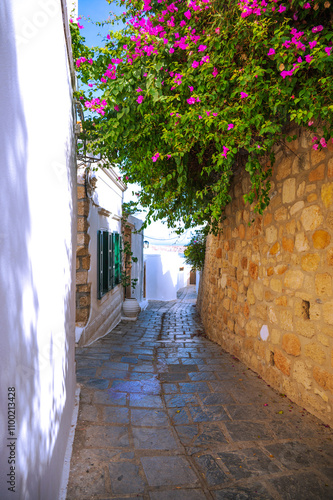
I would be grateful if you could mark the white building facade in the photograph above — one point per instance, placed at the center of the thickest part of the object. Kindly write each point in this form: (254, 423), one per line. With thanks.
(37, 240)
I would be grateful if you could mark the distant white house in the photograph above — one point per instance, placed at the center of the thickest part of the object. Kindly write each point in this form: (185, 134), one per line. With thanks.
(166, 271)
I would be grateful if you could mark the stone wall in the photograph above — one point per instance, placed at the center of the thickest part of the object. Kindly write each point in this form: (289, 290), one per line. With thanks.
(83, 288)
(266, 293)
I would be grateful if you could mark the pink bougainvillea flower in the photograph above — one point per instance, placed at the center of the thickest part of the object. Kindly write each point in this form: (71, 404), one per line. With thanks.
(156, 155)
(201, 48)
(214, 114)
(103, 80)
(182, 23)
(171, 50)
(108, 37)
(307, 6)
(81, 97)
(139, 89)
(313, 44)
(243, 95)
(190, 100)
(208, 113)
(88, 104)
(191, 88)
(310, 123)
(281, 9)
(217, 30)
(308, 58)
(125, 47)
(271, 52)
(230, 126)
(197, 99)
(328, 50)
(316, 29)
(195, 64)
(225, 151)
(187, 14)
(80, 26)
(299, 59)
(315, 138)
(140, 99)
(255, 76)
(323, 142)
(215, 72)
(200, 117)
(116, 107)
(315, 146)
(71, 20)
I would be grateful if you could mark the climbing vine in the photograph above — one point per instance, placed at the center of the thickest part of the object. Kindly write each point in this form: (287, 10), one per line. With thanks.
(189, 92)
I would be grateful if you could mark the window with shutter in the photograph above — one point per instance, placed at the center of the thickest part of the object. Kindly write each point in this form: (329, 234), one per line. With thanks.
(109, 261)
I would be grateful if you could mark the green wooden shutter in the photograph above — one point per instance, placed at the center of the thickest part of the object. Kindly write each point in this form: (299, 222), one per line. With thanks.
(100, 263)
(120, 256)
(110, 261)
(113, 260)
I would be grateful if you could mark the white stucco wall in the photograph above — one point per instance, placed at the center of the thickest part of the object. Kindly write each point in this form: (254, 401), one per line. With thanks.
(163, 275)
(37, 234)
(105, 313)
(137, 267)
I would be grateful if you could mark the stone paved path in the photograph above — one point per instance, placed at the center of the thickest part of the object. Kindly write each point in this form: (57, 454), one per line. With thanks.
(165, 414)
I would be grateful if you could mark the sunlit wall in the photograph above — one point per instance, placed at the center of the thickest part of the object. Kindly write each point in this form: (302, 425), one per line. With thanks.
(37, 231)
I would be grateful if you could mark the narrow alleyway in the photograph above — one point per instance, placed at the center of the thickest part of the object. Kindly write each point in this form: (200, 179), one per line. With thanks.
(165, 414)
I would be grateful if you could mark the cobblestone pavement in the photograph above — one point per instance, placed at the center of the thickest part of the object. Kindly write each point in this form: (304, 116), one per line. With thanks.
(166, 414)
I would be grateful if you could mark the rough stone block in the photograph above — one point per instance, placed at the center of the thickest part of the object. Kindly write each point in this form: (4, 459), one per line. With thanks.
(276, 285)
(311, 218)
(252, 328)
(312, 197)
(280, 214)
(293, 279)
(253, 270)
(283, 169)
(321, 239)
(84, 301)
(82, 224)
(271, 234)
(327, 194)
(258, 290)
(299, 205)
(81, 192)
(317, 174)
(270, 271)
(286, 320)
(310, 262)
(241, 231)
(329, 257)
(323, 283)
(281, 362)
(244, 263)
(81, 277)
(315, 352)
(328, 312)
(301, 242)
(323, 378)
(218, 253)
(317, 156)
(291, 344)
(305, 328)
(302, 374)
(280, 269)
(83, 207)
(288, 244)
(289, 190)
(330, 168)
(82, 315)
(275, 248)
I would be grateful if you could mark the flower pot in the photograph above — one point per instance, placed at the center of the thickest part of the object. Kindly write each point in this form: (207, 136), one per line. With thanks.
(131, 308)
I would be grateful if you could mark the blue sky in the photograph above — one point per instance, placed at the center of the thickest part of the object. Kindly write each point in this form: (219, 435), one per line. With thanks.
(97, 10)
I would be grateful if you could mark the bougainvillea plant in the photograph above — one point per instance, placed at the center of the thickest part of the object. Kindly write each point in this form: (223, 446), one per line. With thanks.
(196, 249)
(188, 92)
